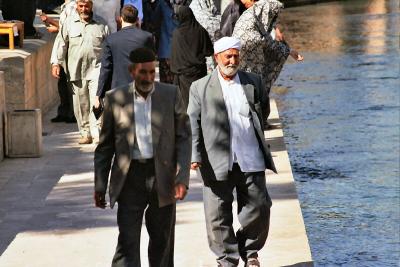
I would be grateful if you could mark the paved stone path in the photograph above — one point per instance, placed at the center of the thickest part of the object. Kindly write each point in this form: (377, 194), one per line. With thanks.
(47, 216)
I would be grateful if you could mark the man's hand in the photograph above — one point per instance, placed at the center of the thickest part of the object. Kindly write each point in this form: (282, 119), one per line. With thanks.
(55, 71)
(296, 56)
(279, 35)
(97, 102)
(195, 165)
(100, 200)
(43, 17)
(180, 191)
(52, 29)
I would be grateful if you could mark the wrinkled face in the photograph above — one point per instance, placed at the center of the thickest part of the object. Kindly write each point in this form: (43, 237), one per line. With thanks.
(84, 10)
(228, 61)
(247, 3)
(144, 75)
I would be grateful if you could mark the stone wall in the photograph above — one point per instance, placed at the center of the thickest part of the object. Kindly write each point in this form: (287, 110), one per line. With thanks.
(2, 114)
(28, 80)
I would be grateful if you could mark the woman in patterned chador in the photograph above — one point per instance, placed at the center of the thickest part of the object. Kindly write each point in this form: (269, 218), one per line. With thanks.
(208, 14)
(264, 50)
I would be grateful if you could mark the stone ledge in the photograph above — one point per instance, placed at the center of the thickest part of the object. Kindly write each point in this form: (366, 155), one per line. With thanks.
(2, 114)
(28, 80)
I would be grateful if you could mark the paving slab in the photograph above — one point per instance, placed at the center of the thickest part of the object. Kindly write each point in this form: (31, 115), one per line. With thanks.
(47, 216)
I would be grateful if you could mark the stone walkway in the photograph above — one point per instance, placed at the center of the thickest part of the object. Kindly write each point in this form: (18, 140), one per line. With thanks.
(47, 216)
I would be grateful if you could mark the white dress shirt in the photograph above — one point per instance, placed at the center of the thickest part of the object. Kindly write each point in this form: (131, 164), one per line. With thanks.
(245, 149)
(143, 146)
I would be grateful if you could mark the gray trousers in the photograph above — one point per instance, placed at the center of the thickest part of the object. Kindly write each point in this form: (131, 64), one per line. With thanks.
(138, 198)
(84, 94)
(253, 212)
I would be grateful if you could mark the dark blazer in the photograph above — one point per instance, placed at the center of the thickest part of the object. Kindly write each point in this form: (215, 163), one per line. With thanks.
(115, 59)
(171, 139)
(210, 124)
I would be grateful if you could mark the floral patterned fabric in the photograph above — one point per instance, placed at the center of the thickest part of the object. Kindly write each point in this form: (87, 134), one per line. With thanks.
(260, 53)
(207, 14)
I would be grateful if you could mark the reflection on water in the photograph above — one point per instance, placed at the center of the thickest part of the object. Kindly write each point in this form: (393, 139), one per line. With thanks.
(341, 115)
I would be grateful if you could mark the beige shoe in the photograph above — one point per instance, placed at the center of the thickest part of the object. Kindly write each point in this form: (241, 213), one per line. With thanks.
(85, 140)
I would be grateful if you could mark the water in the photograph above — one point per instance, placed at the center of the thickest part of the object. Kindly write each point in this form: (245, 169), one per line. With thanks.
(341, 115)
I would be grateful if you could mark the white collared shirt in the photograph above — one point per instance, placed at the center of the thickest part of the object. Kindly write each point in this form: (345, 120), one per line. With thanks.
(245, 149)
(143, 146)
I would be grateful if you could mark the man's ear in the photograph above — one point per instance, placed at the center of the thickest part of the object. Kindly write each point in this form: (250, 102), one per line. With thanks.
(137, 22)
(130, 68)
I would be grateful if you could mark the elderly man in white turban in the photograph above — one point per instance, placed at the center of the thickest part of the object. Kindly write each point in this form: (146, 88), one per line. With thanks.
(229, 152)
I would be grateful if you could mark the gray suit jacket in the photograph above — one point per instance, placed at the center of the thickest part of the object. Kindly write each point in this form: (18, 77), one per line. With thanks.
(210, 124)
(171, 141)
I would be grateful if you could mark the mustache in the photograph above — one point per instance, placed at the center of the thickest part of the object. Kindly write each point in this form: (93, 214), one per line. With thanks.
(86, 13)
(145, 83)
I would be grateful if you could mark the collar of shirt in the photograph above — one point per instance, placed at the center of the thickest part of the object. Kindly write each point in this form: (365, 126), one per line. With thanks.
(137, 95)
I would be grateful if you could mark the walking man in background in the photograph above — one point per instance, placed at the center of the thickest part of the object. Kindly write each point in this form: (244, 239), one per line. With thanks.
(80, 48)
(146, 137)
(65, 111)
(116, 48)
(229, 150)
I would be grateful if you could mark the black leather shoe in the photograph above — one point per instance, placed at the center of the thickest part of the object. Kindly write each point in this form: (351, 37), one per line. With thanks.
(58, 119)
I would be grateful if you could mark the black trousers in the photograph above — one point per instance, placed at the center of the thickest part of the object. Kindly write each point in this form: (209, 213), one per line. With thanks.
(253, 212)
(138, 198)
(184, 81)
(66, 107)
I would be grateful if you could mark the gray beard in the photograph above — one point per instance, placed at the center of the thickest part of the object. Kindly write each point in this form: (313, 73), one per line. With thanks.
(144, 88)
(86, 17)
(229, 70)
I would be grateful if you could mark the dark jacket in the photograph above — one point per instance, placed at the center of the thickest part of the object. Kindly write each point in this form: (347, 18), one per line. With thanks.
(230, 16)
(115, 60)
(171, 140)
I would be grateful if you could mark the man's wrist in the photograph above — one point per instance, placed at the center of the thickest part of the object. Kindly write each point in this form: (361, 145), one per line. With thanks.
(180, 183)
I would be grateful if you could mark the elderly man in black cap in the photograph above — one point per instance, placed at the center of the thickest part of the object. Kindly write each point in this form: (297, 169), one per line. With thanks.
(146, 137)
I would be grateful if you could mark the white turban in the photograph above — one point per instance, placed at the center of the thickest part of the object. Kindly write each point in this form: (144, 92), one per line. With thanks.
(226, 43)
